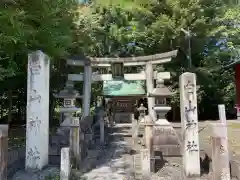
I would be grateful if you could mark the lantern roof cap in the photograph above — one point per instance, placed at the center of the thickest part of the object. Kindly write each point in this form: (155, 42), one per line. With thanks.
(161, 90)
(68, 92)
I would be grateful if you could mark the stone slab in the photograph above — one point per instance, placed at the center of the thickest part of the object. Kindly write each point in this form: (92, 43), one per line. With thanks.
(165, 139)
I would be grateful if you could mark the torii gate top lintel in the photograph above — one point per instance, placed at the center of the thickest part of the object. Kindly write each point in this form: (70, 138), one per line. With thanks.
(127, 61)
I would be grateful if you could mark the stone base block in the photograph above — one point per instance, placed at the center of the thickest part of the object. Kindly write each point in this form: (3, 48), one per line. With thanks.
(165, 139)
(169, 150)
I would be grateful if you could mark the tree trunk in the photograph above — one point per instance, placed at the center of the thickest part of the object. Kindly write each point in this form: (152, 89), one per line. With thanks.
(52, 108)
(9, 106)
(2, 107)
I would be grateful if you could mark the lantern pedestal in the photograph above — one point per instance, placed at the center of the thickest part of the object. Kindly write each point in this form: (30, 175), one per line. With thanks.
(165, 138)
(70, 123)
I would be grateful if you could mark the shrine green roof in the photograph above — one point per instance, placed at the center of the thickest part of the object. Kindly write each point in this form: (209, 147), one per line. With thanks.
(123, 88)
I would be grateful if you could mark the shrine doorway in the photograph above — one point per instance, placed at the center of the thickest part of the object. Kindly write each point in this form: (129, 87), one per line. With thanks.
(123, 107)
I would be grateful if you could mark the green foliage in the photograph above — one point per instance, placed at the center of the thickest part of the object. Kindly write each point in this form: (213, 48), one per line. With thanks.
(136, 28)
(29, 25)
(129, 28)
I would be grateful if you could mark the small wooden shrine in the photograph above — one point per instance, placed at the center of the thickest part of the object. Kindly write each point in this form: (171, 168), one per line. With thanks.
(123, 96)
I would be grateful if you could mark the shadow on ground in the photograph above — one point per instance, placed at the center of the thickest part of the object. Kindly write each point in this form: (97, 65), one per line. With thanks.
(112, 160)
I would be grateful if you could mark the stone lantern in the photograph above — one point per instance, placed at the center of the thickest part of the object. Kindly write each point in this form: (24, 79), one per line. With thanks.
(69, 94)
(161, 93)
(165, 139)
(142, 112)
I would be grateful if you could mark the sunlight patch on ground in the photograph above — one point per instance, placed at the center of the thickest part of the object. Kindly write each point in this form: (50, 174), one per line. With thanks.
(234, 125)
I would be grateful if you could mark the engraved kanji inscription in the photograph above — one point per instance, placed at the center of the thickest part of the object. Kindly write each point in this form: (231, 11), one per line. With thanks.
(222, 149)
(33, 155)
(34, 123)
(35, 96)
(190, 124)
(35, 65)
(192, 146)
(189, 87)
(225, 174)
(161, 131)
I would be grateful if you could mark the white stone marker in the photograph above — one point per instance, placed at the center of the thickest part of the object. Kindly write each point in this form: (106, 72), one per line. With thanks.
(222, 113)
(37, 111)
(65, 168)
(87, 89)
(189, 120)
(220, 154)
(146, 164)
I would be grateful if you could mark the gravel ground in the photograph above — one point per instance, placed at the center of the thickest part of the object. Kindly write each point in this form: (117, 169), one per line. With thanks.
(114, 161)
(46, 174)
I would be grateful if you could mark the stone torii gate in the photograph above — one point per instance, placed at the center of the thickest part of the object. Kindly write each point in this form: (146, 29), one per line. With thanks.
(117, 65)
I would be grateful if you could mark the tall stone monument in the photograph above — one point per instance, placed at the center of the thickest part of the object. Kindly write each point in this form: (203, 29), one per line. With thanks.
(37, 111)
(189, 120)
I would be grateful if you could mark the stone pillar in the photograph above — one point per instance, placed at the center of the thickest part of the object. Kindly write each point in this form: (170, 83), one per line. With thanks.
(220, 153)
(65, 164)
(220, 156)
(37, 111)
(134, 130)
(222, 113)
(75, 142)
(149, 126)
(149, 123)
(189, 120)
(3, 151)
(150, 86)
(101, 122)
(146, 164)
(87, 89)
(238, 111)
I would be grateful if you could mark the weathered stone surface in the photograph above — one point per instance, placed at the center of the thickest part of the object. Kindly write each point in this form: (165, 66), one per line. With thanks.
(65, 164)
(189, 119)
(75, 142)
(220, 156)
(145, 164)
(165, 139)
(37, 111)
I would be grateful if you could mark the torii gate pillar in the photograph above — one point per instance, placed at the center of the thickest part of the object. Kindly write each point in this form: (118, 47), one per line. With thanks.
(87, 89)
